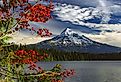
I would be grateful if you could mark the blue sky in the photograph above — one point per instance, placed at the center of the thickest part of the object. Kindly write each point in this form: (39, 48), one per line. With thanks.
(87, 2)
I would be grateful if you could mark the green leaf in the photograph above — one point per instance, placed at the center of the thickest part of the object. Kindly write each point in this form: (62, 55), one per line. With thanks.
(6, 38)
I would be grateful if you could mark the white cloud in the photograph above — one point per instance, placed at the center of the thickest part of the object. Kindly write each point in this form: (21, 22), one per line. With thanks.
(76, 14)
(116, 9)
(112, 38)
(73, 13)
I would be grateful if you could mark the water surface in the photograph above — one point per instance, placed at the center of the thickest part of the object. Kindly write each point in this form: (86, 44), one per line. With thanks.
(86, 71)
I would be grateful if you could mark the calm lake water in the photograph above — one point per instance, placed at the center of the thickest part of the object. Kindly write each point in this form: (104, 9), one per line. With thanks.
(86, 71)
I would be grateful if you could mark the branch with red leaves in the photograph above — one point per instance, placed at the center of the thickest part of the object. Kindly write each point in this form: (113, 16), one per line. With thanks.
(15, 69)
(22, 11)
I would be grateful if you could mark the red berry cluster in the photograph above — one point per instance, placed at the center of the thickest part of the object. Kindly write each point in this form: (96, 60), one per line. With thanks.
(40, 32)
(44, 32)
(34, 67)
(68, 73)
(28, 56)
(38, 13)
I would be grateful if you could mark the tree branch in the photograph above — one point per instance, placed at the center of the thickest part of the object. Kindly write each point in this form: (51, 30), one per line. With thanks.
(46, 73)
(7, 26)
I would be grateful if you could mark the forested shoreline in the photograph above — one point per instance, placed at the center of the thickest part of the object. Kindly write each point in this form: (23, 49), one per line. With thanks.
(56, 55)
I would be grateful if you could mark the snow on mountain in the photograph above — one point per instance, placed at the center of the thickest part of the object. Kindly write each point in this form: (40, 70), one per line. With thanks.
(68, 36)
(71, 41)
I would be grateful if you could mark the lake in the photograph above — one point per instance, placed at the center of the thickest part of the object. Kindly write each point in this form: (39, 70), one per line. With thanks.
(89, 71)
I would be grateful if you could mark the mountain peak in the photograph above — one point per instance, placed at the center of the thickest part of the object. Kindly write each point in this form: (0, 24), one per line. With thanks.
(67, 32)
(68, 36)
(68, 29)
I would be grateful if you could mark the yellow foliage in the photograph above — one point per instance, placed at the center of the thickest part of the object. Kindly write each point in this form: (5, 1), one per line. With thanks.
(3, 80)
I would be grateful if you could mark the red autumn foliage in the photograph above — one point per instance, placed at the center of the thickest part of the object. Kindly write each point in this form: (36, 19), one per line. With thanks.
(44, 32)
(28, 12)
(27, 57)
(38, 13)
(67, 73)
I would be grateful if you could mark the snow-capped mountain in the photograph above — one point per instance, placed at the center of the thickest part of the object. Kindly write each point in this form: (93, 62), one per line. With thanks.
(70, 37)
(71, 41)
